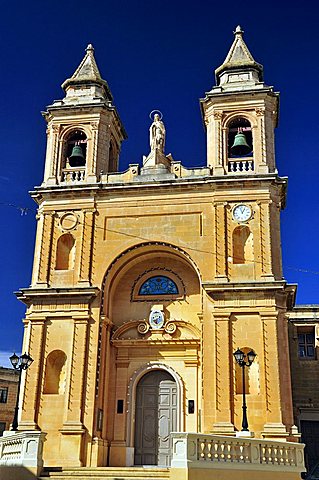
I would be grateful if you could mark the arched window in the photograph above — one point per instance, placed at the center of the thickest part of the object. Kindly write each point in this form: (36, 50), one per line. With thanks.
(240, 140)
(65, 252)
(242, 245)
(75, 149)
(55, 373)
(158, 285)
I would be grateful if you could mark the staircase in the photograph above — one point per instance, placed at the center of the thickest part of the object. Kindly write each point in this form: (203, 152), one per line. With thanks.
(108, 473)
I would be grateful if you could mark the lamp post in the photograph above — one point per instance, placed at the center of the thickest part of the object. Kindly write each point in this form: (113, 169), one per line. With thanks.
(19, 363)
(240, 357)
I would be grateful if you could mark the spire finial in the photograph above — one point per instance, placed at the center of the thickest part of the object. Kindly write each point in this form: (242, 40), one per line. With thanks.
(89, 48)
(238, 31)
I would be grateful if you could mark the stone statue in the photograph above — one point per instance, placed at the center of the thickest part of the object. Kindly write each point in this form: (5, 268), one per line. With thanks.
(157, 134)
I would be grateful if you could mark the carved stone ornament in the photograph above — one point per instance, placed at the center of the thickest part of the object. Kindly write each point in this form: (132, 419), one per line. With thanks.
(143, 328)
(69, 221)
(56, 128)
(218, 115)
(170, 328)
(156, 319)
(260, 112)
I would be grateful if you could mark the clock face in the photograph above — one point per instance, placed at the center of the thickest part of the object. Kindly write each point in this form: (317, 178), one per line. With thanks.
(242, 213)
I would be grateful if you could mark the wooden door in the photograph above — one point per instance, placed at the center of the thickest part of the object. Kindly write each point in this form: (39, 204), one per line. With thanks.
(310, 436)
(155, 419)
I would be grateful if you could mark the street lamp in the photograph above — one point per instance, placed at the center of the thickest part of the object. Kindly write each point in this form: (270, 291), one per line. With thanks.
(19, 363)
(240, 357)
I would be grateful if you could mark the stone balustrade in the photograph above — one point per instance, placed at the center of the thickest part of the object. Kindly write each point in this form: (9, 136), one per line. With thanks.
(73, 175)
(195, 450)
(22, 449)
(241, 166)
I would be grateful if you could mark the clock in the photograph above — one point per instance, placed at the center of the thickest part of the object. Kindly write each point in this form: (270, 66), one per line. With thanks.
(156, 319)
(242, 213)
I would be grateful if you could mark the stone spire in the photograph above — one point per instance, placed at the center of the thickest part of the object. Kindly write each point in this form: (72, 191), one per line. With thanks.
(87, 75)
(239, 65)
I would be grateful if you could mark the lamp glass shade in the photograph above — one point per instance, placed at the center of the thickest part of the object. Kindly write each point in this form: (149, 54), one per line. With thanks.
(251, 356)
(26, 361)
(14, 359)
(239, 356)
(30, 360)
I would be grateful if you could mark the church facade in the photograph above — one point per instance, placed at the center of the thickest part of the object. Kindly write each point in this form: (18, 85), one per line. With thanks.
(146, 282)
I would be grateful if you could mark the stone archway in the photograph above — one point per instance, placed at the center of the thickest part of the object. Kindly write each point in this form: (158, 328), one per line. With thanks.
(156, 413)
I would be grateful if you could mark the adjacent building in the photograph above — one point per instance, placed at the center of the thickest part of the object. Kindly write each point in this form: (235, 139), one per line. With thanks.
(9, 379)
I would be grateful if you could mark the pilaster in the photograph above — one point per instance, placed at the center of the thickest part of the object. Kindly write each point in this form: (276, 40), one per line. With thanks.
(86, 247)
(34, 375)
(73, 422)
(46, 226)
(223, 371)
(221, 242)
(218, 151)
(265, 240)
(274, 426)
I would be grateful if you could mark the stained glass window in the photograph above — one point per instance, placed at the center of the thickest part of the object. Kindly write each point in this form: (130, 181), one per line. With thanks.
(158, 285)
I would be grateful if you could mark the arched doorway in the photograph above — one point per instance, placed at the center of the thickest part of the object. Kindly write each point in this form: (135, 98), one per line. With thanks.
(155, 418)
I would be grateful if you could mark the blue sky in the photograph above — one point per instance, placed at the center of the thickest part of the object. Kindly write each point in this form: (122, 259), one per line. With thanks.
(154, 56)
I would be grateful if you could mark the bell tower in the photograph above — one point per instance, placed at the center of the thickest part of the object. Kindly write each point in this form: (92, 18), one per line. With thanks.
(248, 294)
(240, 114)
(84, 130)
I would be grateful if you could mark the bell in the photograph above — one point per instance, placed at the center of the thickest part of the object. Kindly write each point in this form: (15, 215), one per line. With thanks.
(77, 158)
(240, 146)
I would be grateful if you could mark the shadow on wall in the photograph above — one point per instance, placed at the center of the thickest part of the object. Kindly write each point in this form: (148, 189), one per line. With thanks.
(16, 473)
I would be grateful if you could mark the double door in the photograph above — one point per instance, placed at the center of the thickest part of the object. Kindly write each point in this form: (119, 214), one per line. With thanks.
(155, 418)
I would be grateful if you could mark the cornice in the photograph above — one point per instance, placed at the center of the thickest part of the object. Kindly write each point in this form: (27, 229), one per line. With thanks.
(211, 286)
(204, 183)
(27, 295)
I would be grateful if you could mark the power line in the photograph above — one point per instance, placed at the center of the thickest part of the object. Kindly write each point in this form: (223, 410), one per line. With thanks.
(25, 210)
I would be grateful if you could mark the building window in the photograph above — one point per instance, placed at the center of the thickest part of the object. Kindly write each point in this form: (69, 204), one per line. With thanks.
(159, 285)
(2, 428)
(306, 344)
(3, 394)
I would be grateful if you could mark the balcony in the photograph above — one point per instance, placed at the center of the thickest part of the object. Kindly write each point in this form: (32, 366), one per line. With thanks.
(73, 175)
(240, 165)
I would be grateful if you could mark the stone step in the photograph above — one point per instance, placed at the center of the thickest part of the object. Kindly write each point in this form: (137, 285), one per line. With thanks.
(109, 473)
